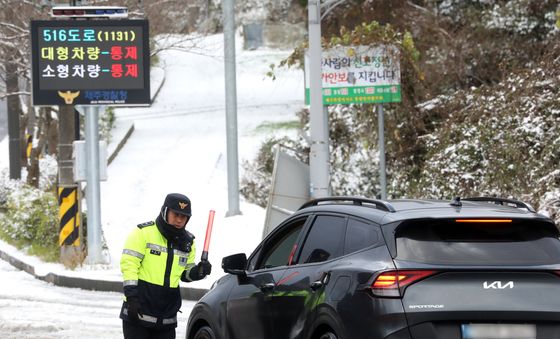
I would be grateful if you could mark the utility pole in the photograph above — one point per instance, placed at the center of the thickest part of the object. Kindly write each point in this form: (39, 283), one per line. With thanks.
(70, 235)
(319, 165)
(231, 108)
(66, 135)
(93, 195)
(71, 248)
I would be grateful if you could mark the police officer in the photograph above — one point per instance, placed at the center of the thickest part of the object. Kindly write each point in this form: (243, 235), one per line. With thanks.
(156, 256)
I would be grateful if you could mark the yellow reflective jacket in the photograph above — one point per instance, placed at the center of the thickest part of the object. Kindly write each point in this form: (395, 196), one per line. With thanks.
(152, 267)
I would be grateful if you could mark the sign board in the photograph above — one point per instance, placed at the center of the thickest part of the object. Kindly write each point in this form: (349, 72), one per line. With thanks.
(358, 75)
(90, 62)
(289, 189)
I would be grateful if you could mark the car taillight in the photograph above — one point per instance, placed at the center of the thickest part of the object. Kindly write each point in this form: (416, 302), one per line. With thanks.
(557, 273)
(485, 221)
(393, 283)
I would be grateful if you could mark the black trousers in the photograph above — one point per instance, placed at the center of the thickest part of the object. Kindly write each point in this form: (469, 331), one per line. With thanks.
(134, 331)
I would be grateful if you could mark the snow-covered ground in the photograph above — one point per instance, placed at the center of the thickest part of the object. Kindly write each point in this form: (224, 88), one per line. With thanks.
(179, 145)
(30, 308)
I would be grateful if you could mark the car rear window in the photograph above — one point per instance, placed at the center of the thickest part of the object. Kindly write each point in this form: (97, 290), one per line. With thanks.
(478, 243)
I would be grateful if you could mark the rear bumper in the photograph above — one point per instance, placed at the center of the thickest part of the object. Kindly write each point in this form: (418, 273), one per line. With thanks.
(452, 329)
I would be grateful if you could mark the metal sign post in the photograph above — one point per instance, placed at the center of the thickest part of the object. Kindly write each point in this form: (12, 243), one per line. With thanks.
(93, 187)
(231, 109)
(382, 170)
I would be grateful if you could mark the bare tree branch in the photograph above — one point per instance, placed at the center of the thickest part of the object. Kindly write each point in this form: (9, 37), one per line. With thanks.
(14, 93)
(14, 27)
(14, 37)
(430, 13)
(171, 42)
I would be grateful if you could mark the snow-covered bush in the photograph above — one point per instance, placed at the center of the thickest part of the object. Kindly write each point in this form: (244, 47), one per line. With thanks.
(30, 218)
(514, 16)
(499, 140)
(354, 153)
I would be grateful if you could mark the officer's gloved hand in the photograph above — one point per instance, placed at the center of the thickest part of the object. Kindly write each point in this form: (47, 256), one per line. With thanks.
(133, 306)
(201, 270)
(204, 268)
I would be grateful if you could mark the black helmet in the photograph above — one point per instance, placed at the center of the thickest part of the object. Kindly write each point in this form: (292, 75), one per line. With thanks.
(178, 203)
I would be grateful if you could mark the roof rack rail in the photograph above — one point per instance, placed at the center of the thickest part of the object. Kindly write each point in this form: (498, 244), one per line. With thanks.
(502, 201)
(379, 204)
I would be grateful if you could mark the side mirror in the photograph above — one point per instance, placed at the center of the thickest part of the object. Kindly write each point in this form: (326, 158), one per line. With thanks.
(235, 264)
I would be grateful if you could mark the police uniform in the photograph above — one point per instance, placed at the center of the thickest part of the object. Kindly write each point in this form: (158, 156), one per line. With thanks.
(156, 256)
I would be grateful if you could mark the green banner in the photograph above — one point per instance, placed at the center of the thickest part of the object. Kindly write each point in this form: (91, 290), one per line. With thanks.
(359, 95)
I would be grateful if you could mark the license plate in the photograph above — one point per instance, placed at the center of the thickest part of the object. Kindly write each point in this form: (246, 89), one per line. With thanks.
(499, 331)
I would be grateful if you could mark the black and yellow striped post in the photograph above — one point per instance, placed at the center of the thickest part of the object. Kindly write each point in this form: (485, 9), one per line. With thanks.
(29, 145)
(69, 216)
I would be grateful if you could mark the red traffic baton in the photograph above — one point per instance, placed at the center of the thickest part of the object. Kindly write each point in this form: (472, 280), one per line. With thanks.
(208, 235)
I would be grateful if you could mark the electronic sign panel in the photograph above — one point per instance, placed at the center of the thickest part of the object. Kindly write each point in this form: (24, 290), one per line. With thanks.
(90, 62)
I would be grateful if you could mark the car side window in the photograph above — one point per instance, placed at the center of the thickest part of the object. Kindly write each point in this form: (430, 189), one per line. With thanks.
(359, 235)
(281, 248)
(325, 240)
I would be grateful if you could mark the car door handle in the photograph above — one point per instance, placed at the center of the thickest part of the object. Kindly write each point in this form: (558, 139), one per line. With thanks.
(321, 282)
(316, 285)
(267, 287)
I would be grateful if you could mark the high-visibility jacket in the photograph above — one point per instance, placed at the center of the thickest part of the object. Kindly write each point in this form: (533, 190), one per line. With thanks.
(152, 267)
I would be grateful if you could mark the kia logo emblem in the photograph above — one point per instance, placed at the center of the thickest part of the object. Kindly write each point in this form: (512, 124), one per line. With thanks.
(497, 285)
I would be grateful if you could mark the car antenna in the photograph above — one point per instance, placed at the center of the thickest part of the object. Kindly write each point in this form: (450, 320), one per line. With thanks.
(456, 202)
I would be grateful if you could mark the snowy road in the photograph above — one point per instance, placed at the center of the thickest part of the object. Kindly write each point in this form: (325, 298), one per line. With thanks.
(30, 308)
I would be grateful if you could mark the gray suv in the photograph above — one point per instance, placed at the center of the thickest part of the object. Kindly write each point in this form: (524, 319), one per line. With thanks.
(353, 268)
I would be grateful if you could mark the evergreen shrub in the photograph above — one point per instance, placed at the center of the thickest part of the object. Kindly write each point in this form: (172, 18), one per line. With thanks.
(30, 222)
